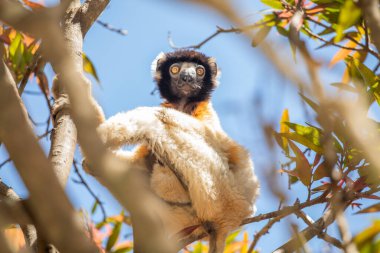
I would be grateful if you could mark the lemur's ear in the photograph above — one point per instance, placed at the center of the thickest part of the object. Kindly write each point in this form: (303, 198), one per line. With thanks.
(215, 71)
(156, 63)
(213, 66)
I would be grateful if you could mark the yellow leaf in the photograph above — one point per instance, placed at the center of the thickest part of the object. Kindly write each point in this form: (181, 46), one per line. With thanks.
(368, 234)
(284, 128)
(88, 67)
(346, 76)
(244, 248)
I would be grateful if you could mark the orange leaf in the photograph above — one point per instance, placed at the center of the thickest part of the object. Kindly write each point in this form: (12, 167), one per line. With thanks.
(321, 172)
(15, 238)
(314, 10)
(33, 5)
(342, 54)
(346, 76)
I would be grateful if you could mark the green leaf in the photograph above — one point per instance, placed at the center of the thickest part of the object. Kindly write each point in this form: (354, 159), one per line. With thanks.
(16, 51)
(260, 35)
(303, 167)
(281, 30)
(312, 104)
(269, 20)
(273, 3)
(360, 71)
(114, 236)
(231, 238)
(367, 235)
(349, 15)
(123, 250)
(198, 248)
(302, 140)
(94, 207)
(88, 67)
(310, 133)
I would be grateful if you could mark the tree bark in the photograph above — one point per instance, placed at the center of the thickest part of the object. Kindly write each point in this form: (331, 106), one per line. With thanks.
(52, 212)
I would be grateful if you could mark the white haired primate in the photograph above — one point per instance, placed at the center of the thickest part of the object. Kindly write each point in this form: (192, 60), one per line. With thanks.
(202, 175)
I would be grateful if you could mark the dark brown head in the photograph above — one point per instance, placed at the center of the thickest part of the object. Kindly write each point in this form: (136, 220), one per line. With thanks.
(185, 75)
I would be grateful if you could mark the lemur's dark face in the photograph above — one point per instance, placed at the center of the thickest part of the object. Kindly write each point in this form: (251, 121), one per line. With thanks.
(186, 75)
(186, 78)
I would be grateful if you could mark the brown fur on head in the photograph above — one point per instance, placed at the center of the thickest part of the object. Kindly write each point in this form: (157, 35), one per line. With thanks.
(193, 81)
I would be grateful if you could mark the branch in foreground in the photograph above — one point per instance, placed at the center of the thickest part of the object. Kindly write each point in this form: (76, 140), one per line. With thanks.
(126, 183)
(283, 212)
(309, 232)
(18, 211)
(59, 227)
(372, 14)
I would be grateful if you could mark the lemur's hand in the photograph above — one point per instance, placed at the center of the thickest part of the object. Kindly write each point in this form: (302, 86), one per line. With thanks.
(61, 103)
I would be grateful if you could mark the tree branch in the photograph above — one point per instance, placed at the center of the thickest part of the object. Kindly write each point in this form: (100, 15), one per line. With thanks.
(89, 12)
(15, 209)
(308, 233)
(283, 212)
(77, 21)
(371, 12)
(60, 226)
(126, 183)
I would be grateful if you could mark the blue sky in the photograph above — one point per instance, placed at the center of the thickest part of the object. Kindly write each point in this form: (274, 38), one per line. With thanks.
(123, 65)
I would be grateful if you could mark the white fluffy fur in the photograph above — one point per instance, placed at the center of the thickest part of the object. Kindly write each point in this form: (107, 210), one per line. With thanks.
(220, 191)
(153, 66)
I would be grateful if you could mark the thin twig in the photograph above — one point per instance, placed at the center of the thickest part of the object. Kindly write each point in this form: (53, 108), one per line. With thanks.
(283, 212)
(331, 240)
(371, 51)
(111, 28)
(92, 193)
(218, 31)
(286, 210)
(5, 162)
(309, 32)
(264, 230)
(304, 217)
(33, 93)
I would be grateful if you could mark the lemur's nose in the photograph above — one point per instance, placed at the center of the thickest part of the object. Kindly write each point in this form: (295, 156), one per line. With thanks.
(187, 77)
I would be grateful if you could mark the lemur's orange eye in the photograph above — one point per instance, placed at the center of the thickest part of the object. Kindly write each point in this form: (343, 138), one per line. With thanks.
(174, 69)
(200, 71)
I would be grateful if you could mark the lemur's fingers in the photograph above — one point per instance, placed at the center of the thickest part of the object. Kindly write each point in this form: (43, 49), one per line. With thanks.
(60, 104)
